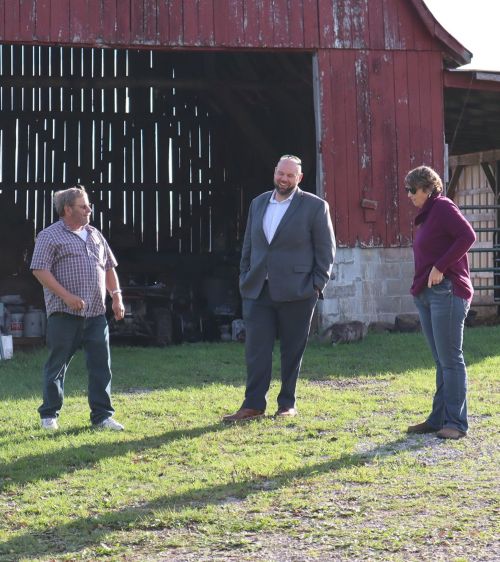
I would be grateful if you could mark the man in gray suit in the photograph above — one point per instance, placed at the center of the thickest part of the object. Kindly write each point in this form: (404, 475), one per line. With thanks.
(286, 261)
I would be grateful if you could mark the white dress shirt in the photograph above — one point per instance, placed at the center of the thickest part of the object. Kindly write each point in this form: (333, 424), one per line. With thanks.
(274, 213)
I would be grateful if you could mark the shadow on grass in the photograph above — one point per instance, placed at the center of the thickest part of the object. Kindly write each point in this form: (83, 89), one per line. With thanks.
(53, 465)
(88, 531)
(198, 365)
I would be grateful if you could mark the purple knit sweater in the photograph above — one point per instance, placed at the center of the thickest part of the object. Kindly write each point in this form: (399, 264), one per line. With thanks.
(443, 239)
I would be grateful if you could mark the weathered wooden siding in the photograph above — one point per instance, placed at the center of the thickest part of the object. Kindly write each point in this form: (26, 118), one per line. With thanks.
(380, 72)
(382, 115)
(301, 24)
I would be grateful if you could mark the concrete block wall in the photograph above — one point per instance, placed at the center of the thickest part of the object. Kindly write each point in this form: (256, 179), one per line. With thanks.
(371, 284)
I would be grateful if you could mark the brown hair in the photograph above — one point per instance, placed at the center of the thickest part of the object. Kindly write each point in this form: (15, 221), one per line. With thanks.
(425, 178)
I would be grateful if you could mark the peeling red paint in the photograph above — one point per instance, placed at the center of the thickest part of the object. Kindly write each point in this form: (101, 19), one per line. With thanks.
(380, 69)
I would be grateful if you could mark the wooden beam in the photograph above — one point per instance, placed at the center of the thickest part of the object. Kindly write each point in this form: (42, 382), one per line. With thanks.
(474, 158)
(452, 186)
(144, 82)
(489, 175)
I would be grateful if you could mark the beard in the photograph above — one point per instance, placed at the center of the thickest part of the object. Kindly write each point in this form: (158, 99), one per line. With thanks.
(284, 190)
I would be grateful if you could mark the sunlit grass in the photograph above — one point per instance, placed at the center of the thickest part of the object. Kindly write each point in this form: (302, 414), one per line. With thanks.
(341, 481)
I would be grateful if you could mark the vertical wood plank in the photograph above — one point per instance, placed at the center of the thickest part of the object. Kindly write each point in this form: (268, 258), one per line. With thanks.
(407, 22)
(311, 29)
(137, 20)
(235, 29)
(252, 24)
(391, 24)
(176, 16)
(42, 23)
(120, 68)
(79, 22)
(122, 32)
(163, 24)
(437, 111)
(425, 107)
(422, 39)
(281, 32)
(95, 21)
(148, 184)
(383, 145)
(416, 152)
(12, 20)
(190, 21)
(376, 24)
(360, 31)
(163, 199)
(27, 19)
(2, 20)
(59, 21)
(325, 23)
(403, 132)
(31, 163)
(327, 135)
(112, 16)
(266, 24)
(206, 22)
(296, 23)
(359, 230)
(339, 141)
(22, 147)
(59, 130)
(341, 17)
(363, 125)
(150, 22)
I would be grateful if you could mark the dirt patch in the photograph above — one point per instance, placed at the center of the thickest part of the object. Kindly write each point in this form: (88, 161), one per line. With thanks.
(349, 383)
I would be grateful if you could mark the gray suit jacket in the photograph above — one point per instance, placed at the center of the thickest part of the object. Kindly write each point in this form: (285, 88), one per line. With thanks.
(299, 257)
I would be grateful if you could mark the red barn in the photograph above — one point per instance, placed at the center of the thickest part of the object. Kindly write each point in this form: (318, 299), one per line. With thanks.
(174, 112)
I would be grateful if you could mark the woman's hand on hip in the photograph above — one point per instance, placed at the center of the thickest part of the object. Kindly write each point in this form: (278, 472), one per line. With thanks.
(435, 277)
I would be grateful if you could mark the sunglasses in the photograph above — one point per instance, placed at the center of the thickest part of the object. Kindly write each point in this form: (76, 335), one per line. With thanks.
(411, 190)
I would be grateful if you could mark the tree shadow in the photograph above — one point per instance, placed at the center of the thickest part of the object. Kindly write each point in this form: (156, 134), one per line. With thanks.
(49, 466)
(199, 365)
(95, 528)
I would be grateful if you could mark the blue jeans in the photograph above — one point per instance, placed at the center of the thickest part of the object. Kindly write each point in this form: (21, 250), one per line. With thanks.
(65, 334)
(442, 315)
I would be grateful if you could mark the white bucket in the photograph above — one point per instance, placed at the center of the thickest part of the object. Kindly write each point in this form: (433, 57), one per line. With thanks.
(34, 323)
(6, 347)
(17, 324)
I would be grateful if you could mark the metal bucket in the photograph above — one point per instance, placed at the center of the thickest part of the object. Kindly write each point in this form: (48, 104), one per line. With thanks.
(17, 324)
(34, 323)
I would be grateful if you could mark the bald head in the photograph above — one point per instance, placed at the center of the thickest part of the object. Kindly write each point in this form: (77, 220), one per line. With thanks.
(287, 176)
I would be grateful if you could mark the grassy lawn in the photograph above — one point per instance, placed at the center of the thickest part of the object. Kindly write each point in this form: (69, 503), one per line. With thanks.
(340, 482)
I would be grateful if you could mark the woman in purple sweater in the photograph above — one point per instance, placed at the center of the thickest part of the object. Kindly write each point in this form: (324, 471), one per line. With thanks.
(442, 291)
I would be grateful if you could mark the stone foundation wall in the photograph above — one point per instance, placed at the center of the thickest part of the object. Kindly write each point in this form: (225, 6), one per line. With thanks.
(370, 285)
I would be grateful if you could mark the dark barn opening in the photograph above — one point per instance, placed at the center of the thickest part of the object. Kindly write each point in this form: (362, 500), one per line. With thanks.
(172, 147)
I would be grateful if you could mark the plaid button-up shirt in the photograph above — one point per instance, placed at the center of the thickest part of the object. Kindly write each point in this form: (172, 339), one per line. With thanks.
(80, 267)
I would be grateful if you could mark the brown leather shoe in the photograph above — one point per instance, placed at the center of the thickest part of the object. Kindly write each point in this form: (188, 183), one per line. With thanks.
(450, 433)
(423, 427)
(286, 413)
(243, 414)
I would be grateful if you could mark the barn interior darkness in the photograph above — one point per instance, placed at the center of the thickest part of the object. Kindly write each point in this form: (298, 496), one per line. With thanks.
(172, 147)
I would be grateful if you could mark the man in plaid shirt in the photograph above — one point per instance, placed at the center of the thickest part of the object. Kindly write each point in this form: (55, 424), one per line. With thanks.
(75, 265)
